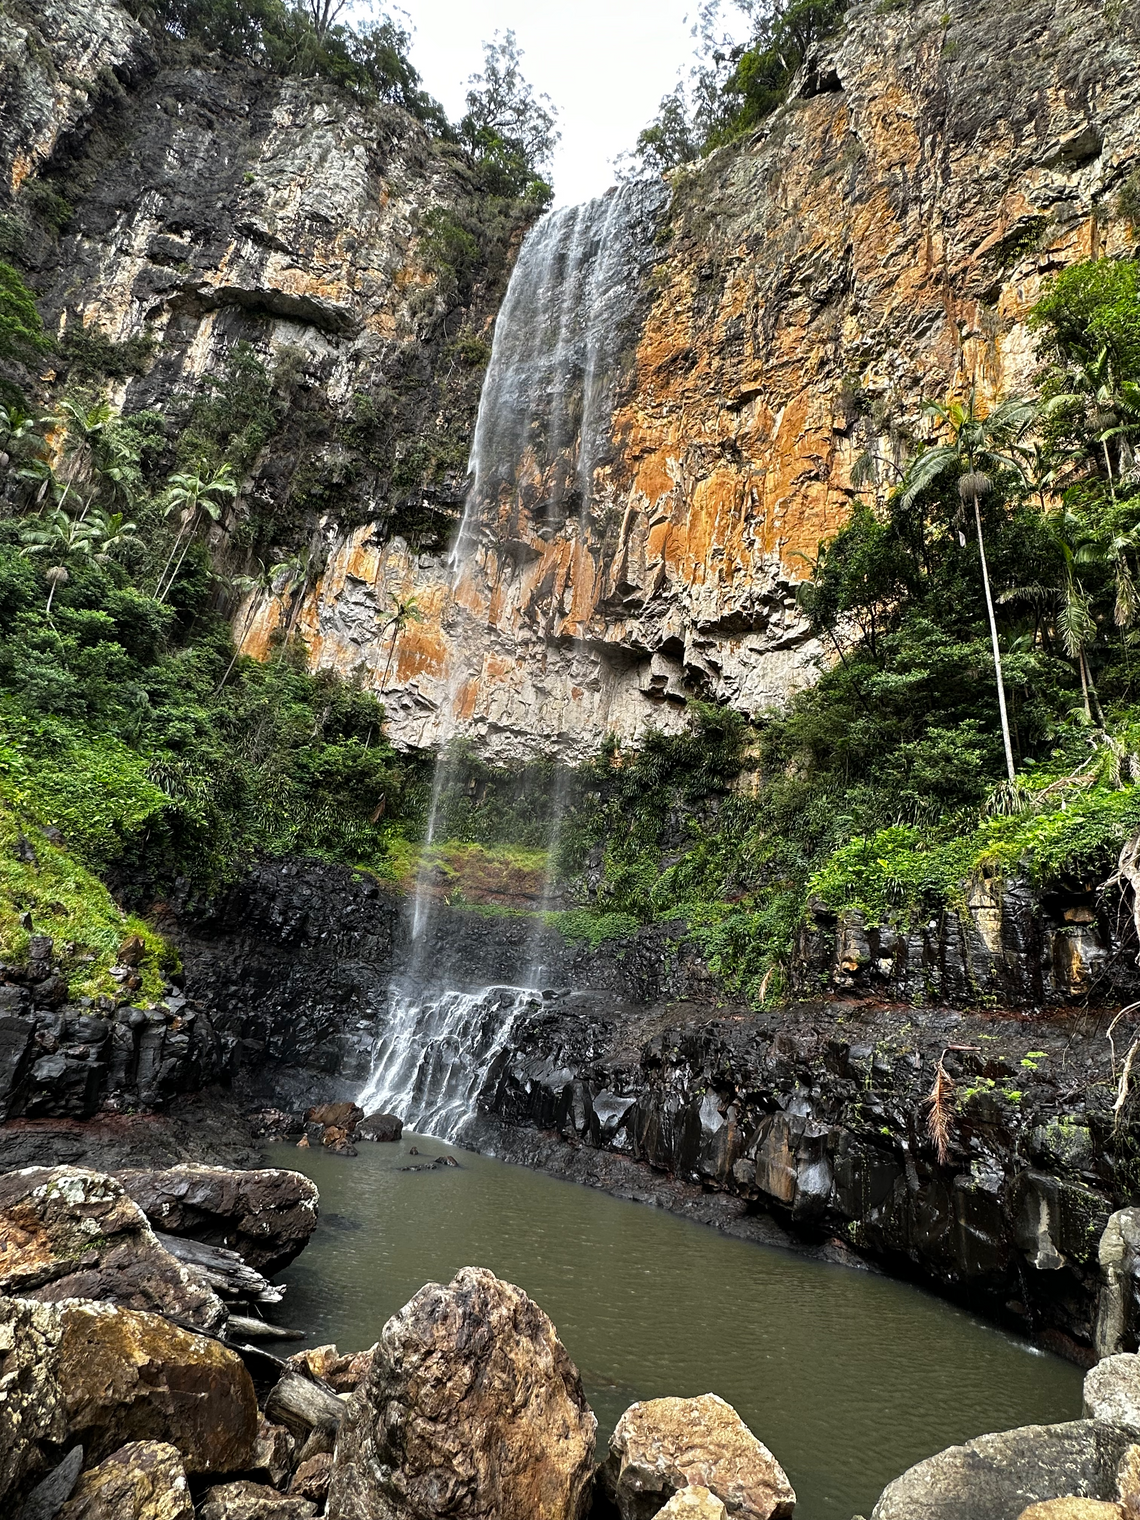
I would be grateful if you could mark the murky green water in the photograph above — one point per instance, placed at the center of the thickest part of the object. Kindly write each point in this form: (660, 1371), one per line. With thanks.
(847, 1377)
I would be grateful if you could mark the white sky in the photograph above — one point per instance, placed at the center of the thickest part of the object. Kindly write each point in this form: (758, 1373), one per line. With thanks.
(604, 63)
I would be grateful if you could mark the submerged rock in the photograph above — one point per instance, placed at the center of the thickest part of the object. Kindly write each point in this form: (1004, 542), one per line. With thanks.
(663, 1446)
(266, 1215)
(70, 1233)
(143, 1480)
(471, 1408)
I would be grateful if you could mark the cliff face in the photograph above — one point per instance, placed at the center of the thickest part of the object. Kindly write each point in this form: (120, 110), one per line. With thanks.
(180, 204)
(780, 310)
(877, 244)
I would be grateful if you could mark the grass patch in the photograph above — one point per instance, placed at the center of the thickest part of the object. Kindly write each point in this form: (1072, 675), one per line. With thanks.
(68, 901)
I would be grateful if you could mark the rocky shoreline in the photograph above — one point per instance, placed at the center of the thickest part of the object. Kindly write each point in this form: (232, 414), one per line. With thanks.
(135, 1384)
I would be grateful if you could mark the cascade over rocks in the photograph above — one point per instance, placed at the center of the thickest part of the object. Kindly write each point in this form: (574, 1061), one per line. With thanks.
(70, 1233)
(663, 1446)
(471, 1408)
(265, 1215)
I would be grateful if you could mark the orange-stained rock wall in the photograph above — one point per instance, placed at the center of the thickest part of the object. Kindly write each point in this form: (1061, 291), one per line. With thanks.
(878, 243)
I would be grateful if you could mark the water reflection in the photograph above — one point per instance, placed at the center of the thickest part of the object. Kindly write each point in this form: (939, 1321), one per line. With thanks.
(849, 1378)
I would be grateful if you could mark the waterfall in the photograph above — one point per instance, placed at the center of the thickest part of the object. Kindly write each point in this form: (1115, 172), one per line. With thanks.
(438, 1053)
(543, 437)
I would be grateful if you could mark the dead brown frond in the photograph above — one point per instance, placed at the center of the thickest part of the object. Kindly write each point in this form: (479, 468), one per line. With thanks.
(938, 1103)
(938, 1116)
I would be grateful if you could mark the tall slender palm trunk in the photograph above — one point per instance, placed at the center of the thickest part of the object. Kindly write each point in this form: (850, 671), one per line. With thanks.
(1009, 766)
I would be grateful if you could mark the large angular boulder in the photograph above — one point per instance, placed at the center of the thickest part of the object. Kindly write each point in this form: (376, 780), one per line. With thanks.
(664, 1445)
(471, 1408)
(66, 1232)
(143, 1480)
(136, 1377)
(1112, 1390)
(265, 1215)
(997, 1476)
(103, 1376)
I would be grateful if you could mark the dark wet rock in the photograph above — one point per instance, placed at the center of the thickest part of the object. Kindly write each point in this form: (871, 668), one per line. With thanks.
(275, 1453)
(253, 1501)
(997, 1476)
(663, 1445)
(814, 1116)
(311, 1480)
(143, 1480)
(384, 1128)
(471, 1406)
(49, 1495)
(71, 1233)
(204, 1126)
(266, 1214)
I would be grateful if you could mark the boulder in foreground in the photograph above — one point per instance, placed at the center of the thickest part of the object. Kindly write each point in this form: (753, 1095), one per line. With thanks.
(103, 1376)
(66, 1232)
(998, 1476)
(144, 1480)
(265, 1215)
(664, 1445)
(471, 1408)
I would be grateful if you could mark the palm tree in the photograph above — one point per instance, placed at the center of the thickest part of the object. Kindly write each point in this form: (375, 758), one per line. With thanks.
(64, 537)
(190, 496)
(115, 534)
(979, 449)
(1072, 605)
(405, 612)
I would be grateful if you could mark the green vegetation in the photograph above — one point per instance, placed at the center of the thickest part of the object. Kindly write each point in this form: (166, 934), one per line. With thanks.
(884, 786)
(734, 86)
(127, 721)
(508, 130)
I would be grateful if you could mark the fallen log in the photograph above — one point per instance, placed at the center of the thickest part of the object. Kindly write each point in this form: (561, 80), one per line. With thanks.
(258, 1330)
(303, 1406)
(225, 1271)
